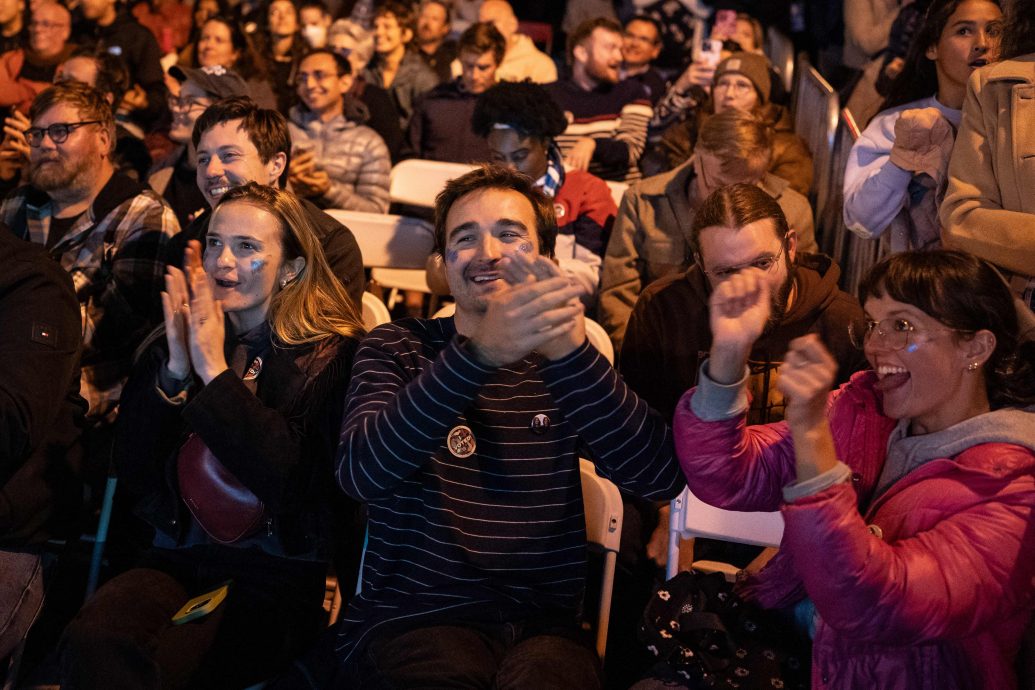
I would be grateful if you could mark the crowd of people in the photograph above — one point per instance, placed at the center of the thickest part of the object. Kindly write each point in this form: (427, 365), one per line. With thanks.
(180, 308)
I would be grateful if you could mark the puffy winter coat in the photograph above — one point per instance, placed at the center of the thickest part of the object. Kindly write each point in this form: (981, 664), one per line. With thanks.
(353, 155)
(927, 586)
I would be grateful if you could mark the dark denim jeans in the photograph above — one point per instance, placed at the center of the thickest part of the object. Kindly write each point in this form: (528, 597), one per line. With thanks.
(497, 656)
(124, 637)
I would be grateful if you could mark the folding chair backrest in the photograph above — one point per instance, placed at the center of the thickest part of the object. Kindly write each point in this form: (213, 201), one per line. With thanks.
(691, 517)
(830, 218)
(816, 113)
(856, 255)
(375, 312)
(780, 51)
(603, 507)
(445, 312)
(388, 241)
(417, 182)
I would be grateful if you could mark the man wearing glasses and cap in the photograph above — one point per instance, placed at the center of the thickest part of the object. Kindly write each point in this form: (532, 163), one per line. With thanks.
(175, 177)
(108, 231)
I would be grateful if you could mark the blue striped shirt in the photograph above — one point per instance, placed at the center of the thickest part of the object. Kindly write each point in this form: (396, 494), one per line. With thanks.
(500, 533)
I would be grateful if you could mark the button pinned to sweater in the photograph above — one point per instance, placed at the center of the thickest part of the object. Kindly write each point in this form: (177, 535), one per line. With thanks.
(540, 424)
(461, 442)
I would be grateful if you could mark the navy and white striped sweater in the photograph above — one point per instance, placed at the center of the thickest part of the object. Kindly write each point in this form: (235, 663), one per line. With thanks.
(499, 534)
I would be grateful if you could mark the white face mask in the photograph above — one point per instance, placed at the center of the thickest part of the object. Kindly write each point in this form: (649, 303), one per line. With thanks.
(315, 35)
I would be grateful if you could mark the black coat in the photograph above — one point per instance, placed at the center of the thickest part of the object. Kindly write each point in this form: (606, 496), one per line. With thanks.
(41, 412)
(279, 442)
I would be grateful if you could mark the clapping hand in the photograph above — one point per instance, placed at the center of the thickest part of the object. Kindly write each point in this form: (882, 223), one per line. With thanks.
(806, 377)
(306, 177)
(697, 74)
(14, 152)
(526, 315)
(923, 140)
(194, 322)
(805, 380)
(518, 269)
(738, 309)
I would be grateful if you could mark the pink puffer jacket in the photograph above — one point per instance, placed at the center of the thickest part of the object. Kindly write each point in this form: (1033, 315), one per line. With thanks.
(929, 587)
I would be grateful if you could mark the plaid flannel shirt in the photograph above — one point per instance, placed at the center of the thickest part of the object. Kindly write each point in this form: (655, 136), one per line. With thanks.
(115, 253)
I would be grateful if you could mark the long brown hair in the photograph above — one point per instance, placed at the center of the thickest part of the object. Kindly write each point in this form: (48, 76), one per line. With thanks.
(314, 306)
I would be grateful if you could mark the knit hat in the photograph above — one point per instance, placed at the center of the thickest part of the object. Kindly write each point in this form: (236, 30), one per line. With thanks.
(216, 80)
(751, 65)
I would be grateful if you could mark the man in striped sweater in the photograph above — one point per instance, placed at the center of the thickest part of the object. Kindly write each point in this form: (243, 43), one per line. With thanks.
(462, 435)
(607, 118)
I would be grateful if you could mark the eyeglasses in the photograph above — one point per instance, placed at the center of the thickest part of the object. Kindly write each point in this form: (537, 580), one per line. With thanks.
(739, 88)
(895, 334)
(58, 132)
(641, 39)
(47, 26)
(186, 103)
(763, 263)
(319, 75)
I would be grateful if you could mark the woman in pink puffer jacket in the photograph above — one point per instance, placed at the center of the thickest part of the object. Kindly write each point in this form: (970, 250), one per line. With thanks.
(907, 495)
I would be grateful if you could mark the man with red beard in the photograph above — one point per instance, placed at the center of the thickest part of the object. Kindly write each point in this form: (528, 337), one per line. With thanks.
(607, 118)
(107, 230)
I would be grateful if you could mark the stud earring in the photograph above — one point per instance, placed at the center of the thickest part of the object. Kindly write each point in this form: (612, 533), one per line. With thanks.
(283, 283)
(973, 366)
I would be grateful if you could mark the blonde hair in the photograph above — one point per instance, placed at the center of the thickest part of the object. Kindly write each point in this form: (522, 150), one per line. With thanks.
(314, 305)
(741, 141)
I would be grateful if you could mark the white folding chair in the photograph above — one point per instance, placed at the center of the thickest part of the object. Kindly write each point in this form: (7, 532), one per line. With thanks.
(780, 51)
(856, 255)
(375, 312)
(816, 113)
(617, 190)
(388, 241)
(691, 517)
(417, 182)
(830, 224)
(395, 248)
(602, 504)
(446, 311)
(598, 338)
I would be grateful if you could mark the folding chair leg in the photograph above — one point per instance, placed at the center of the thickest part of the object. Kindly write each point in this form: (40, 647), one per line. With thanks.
(102, 537)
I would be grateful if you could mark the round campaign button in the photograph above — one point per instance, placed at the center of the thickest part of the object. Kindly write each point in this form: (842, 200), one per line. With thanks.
(461, 442)
(540, 423)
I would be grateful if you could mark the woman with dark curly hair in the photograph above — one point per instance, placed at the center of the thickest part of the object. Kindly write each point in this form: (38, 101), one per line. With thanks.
(989, 208)
(520, 122)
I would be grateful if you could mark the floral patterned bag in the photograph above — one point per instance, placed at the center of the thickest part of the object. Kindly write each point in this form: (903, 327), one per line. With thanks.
(705, 636)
